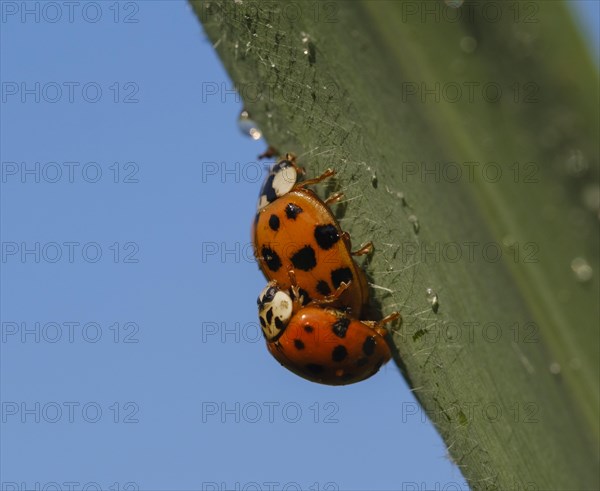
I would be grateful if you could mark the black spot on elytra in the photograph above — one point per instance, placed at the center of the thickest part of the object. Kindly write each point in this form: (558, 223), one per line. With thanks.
(299, 345)
(326, 236)
(274, 222)
(292, 211)
(269, 315)
(339, 353)
(341, 275)
(340, 327)
(278, 323)
(304, 259)
(362, 362)
(271, 258)
(323, 287)
(308, 328)
(369, 346)
(314, 368)
(262, 322)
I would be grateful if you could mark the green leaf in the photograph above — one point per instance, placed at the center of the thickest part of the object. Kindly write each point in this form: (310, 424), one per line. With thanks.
(465, 142)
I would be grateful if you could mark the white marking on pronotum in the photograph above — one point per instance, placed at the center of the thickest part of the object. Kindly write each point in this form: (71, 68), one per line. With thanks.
(280, 304)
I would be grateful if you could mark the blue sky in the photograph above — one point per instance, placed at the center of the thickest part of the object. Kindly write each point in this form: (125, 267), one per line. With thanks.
(130, 352)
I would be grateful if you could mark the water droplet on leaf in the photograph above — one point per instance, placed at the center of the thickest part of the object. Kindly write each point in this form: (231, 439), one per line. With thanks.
(591, 196)
(583, 271)
(432, 298)
(554, 368)
(468, 44)
(576, 164)
(415, 223)
(248, 126)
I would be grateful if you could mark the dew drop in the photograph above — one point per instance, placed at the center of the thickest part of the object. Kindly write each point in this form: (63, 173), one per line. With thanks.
(583, 271)
(397, 194)
(432, 298)
(509, 241)
(248, 126)
(554, 368)
(591, 196)
(374, 180)
(468, 44)
(576, 164)
(415, 223)
(309, 49)
(454, 4)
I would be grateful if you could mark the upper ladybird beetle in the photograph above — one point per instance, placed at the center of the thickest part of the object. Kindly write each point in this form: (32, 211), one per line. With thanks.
(296, 231)
(321, 344)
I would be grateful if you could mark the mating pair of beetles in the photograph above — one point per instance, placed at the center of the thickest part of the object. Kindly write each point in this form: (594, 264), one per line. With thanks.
(311, 310)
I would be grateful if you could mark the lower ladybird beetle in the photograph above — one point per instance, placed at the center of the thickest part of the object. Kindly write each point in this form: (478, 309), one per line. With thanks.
(321, 344)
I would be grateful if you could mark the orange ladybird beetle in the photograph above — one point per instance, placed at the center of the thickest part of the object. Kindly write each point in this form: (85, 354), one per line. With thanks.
(321, 344)
(294, 230)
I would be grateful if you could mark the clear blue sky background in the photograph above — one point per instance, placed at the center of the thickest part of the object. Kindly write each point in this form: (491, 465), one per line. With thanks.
(161, 398)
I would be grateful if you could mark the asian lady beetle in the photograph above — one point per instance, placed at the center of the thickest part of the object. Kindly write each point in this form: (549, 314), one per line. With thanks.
(321, 344)
(295, 230)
